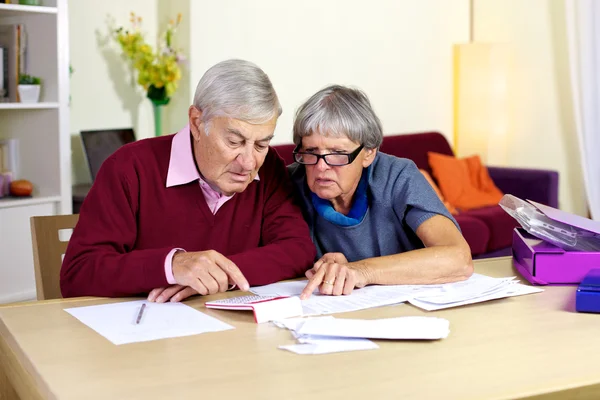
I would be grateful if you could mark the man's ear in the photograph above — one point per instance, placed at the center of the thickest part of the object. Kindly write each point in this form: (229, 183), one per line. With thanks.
(196, 123)
(369, 157)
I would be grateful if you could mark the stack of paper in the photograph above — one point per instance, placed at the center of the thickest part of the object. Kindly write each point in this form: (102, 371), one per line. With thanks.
(322, 335)
(477, 288)
(320, 344)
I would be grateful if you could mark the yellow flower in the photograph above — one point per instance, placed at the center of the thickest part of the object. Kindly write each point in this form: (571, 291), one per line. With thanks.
(158, 68)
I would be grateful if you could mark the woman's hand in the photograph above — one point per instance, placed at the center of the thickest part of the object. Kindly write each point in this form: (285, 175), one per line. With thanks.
(329, 258)
(335, 279)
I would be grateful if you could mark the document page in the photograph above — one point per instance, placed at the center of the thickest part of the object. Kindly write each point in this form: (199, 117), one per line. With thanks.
(118, 322)
(430, 328)
(509, 289)
(477, 288)
(308, 344)
(317, 304)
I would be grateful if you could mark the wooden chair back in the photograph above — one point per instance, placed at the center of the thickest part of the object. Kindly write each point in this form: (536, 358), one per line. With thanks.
(48, 250)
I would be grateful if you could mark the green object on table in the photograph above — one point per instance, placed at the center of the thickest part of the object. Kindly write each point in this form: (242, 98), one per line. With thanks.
(30, 2)
(159, 98)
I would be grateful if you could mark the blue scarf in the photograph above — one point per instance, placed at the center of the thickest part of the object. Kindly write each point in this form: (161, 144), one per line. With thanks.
(357, 212)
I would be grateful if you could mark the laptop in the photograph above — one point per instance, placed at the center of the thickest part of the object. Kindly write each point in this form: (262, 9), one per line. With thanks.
(98, 145)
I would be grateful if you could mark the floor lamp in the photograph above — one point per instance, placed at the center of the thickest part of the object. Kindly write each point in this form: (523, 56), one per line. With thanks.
(481, 98)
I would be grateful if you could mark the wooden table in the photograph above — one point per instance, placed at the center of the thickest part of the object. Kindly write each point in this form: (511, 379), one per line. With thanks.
(533, 346)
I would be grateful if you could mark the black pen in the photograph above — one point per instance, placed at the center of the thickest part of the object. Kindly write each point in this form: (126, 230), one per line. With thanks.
(139, 316)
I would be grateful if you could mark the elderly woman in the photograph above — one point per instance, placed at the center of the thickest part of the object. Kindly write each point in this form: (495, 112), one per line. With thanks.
(373, 217)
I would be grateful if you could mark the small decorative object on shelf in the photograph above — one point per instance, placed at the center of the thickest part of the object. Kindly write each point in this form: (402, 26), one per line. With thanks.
(5, 181)
(29, 88)
(29, 2)
(158, 71)
(21, 188)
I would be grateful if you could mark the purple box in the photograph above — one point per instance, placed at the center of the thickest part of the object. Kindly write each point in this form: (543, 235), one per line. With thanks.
(542, 263)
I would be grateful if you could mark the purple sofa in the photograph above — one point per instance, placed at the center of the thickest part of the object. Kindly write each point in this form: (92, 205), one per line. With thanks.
(488, 230)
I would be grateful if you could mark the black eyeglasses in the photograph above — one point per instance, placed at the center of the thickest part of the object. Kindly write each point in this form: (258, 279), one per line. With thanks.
(332, 159)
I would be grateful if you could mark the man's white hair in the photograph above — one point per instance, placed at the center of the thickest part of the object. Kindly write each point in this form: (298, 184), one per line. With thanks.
(236, 89)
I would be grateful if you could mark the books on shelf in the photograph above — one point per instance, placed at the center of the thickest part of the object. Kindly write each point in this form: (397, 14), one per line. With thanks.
(9, 155)
(3, 74)
(13, 41)
(9, 164)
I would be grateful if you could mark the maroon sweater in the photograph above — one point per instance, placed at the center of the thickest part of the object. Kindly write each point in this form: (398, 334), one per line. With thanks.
(130, 221)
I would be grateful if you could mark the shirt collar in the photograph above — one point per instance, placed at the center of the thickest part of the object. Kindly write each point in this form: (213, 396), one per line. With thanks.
(182, 167)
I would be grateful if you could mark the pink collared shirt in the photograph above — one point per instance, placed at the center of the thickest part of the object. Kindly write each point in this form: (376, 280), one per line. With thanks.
(182, 170)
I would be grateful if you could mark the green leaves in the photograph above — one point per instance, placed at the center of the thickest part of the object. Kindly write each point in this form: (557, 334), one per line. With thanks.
(29, 80)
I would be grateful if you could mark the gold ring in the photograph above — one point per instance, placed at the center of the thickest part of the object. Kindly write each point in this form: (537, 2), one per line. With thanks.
(327, 282)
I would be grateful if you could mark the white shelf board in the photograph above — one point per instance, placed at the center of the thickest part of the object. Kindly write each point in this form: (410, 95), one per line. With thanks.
(27, 106)
(17, 9)
(6, 202)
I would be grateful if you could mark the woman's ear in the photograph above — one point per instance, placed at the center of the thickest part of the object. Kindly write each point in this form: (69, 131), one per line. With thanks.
(369, 157)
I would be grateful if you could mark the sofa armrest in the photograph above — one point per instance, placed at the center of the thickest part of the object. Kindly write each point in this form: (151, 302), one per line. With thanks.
(539, 185)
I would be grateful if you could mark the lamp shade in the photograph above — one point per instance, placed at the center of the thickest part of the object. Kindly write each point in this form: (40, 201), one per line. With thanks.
(481, 101)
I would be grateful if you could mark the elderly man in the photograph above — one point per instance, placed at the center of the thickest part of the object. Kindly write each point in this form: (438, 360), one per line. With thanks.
(200, 211)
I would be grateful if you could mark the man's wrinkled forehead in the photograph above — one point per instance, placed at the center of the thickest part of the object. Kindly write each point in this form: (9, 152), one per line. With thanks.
(248, 131)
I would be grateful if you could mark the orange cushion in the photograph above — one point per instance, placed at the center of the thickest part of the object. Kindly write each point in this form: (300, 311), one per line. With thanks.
(449, 206)
(464, 182)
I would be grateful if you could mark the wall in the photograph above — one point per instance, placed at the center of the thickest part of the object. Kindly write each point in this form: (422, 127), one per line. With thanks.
(102, 92)
(176, 111)
(543, 134)
(398, 51)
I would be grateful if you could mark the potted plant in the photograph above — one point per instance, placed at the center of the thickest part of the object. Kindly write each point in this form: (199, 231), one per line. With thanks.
(29, 88)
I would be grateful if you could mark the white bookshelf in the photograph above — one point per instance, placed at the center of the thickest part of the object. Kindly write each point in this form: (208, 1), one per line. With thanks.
(17, 9)
(11, 202)
(44, 147)
(27, 106)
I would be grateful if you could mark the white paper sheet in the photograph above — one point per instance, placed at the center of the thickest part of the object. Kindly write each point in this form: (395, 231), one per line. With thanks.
(427, 328)
(318, 304)
(330, 345)
(116, 321)
(477, 288)
(515, 289)
(317, 344)
(293, 324)
(293, 288)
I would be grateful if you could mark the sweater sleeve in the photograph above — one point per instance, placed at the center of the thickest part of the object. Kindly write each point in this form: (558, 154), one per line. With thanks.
(286, 250)
(100, 259)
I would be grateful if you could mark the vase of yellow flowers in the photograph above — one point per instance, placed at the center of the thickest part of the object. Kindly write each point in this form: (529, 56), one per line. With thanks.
(158, 71)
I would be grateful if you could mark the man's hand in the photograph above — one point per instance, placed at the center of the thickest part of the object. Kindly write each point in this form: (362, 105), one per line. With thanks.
(203, 272)
(335, 279)
(173, 293)
(207, 272)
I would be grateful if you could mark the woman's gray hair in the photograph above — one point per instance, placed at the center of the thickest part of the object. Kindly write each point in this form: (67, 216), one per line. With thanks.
(236, 89)
(339, 111)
